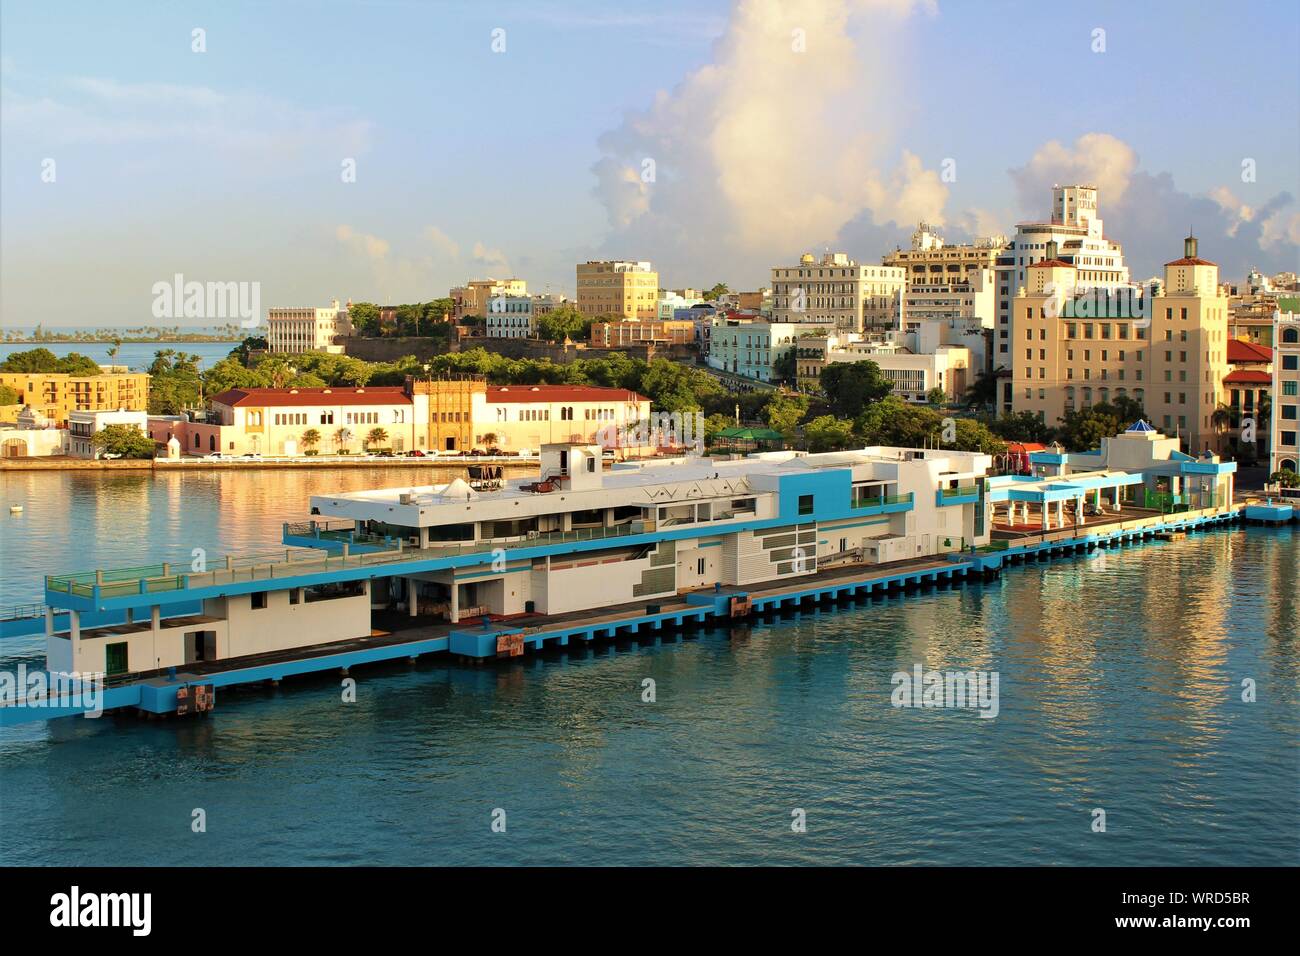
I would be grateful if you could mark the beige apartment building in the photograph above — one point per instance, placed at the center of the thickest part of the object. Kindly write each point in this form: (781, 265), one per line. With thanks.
(1167, 350)
(932, 262)
(628, 290)
(55, 395)
(292, 331)
(837, 291)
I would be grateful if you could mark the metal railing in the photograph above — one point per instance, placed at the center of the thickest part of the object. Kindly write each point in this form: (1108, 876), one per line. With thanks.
(961, 491)
(882, 501)
(294, 562)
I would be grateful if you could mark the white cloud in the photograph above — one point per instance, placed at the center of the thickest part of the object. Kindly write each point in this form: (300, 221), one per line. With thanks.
(767, 151)
(370, 246)
(1097, 159)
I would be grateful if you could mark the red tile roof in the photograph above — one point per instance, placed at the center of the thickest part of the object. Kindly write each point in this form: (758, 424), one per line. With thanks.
(287, 397)
(1052, 264)
(1239, 351)
(1247, 376)
(1190, 262)
(502, 394)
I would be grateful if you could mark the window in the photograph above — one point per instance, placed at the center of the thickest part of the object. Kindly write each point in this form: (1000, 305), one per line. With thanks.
(805, 504)
(258, 600)
(699, 566)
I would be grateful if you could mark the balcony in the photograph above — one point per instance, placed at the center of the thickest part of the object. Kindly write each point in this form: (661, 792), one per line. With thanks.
(885, 504)
(962, 494)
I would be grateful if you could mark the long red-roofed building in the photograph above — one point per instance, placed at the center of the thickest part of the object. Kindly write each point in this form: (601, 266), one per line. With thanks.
(429, 415)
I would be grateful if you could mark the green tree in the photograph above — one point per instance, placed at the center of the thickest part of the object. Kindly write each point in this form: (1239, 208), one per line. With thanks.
(852, 386)
(1020, 427)
(9, 396)
(983, 393)
(711, 295)
(784, 412)
(1082, 429)
(828, 433)
(364, 317)
(43, 360)
(376, 436)
(936, 397)
(310, 438)
(564, 321)
(126, 441)
(1286, 478)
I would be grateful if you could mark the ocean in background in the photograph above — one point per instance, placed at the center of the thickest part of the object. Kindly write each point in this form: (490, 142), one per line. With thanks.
(137, 356)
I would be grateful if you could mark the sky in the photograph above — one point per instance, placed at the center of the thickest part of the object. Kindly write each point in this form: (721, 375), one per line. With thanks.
(386, 150)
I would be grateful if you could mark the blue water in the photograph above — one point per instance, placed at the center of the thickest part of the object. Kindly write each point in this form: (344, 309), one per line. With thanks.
(137, 356)
(1120, 684)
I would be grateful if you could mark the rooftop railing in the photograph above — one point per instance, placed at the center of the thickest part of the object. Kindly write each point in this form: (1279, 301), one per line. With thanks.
(295, 562)
(882, 501)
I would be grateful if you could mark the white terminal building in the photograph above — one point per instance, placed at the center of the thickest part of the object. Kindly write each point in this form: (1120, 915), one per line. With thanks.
(672, 525)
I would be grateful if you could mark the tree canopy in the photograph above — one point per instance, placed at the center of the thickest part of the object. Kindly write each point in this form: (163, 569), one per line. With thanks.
(43, 360)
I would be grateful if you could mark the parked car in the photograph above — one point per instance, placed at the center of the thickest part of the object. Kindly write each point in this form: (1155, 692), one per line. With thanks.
(252, 454)
(110, 455)
(415, 453)
(215, 456)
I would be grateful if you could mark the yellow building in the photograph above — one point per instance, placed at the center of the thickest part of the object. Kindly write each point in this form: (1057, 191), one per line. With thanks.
(1167, 351)
(57, 394)
(628, 290)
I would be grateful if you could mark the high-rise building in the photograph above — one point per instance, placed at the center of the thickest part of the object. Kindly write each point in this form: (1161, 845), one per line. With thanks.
(628, 290)
(837, 291)
(1286, 393)
(1080, 241)
(1075, 346)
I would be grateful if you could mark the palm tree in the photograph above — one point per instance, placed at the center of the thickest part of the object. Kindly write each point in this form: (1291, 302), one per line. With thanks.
(1221, 418)
(341, 438)
(490, 439)
(310, 438)
(377, 436)
(112, 352)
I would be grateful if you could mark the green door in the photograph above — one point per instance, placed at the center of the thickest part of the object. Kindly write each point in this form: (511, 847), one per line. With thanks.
(115, 658)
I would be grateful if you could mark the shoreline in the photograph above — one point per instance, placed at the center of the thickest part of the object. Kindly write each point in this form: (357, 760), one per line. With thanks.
(201, 464)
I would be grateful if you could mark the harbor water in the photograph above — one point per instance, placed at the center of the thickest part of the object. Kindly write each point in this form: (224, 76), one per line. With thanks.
(1121, 681)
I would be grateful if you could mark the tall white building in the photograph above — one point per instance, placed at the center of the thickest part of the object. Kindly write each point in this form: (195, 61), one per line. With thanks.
(291, 331)
(1076, 228)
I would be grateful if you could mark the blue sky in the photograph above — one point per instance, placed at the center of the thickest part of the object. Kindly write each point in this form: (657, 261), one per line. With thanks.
(225, 165)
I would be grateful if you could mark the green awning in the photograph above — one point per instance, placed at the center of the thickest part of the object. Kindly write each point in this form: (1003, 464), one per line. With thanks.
(751, 434)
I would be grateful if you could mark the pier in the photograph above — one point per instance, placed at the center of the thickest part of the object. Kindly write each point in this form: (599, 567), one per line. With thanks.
(177, 689)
